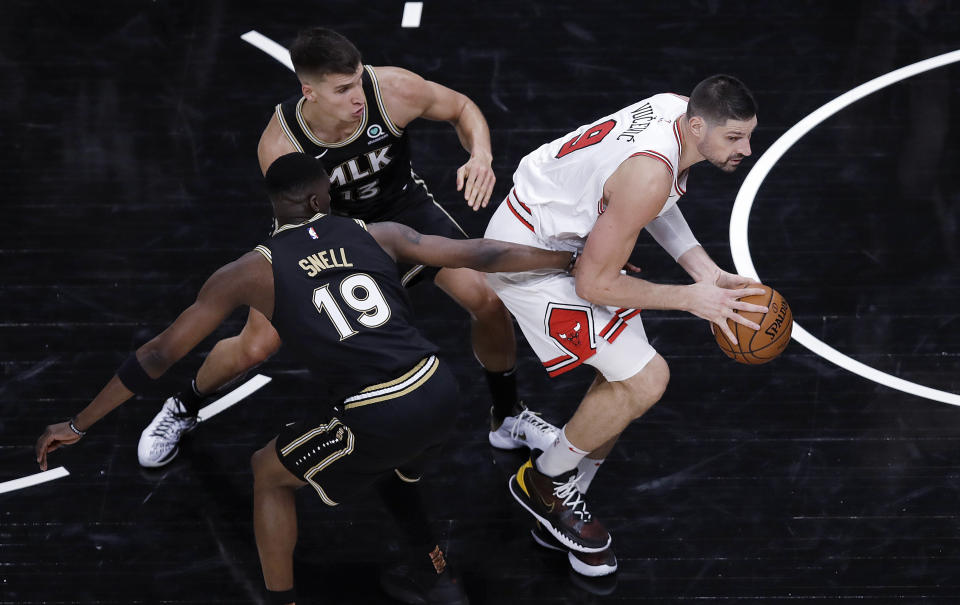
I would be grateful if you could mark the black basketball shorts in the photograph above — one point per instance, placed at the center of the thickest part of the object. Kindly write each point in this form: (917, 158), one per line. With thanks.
(396, 427)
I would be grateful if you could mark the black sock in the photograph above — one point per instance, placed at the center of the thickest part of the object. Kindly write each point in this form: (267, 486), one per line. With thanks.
(503, 391)
(405, 504)
(281, 597)
(191, 398)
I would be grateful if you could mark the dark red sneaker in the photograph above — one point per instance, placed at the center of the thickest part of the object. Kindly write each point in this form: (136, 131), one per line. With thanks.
(559, 506)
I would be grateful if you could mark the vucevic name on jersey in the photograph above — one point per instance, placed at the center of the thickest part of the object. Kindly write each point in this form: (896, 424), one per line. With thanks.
(369, 169)
(339, 304)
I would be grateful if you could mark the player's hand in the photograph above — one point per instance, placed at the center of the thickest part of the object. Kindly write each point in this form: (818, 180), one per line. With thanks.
(55, 436)
(733, 281)
(476, 180)
(717, 305)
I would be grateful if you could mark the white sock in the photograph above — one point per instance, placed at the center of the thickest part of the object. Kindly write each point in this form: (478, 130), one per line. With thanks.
(587, 469)
(560, 457)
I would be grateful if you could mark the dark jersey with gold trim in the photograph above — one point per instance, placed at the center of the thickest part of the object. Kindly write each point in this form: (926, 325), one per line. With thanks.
(339, 304)
(370, 169)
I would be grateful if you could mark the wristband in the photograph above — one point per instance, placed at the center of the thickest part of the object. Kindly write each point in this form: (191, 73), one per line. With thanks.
(573, 261)
(281, 597)
(133, 376)
(74, 428)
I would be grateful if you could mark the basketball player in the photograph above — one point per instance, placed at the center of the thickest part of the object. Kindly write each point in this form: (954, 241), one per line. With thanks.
(591, 192)
(353, 118)
(330, 286)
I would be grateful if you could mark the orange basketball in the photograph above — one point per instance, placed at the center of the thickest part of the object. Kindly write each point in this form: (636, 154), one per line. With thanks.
(759, 346)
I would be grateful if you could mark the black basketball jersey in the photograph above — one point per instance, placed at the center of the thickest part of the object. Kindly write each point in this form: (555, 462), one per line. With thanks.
(339, 304)
(370, 169)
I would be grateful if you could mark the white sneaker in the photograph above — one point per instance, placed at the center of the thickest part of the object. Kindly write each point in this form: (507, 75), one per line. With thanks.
(527, 429)
(593, 565)
(159, 441)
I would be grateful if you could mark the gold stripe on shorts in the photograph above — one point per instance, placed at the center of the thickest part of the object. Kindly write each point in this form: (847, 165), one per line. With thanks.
(405, 478)
(324, 464)
(323, 428)
(397, 387)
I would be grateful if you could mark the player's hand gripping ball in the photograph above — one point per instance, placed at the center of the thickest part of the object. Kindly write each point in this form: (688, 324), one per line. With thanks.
(759, 346)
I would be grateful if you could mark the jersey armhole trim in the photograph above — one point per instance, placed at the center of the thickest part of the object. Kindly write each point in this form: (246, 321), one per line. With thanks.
(265, 252)
(658, 156)
(393, 128)
(362, 224)
(286, 128)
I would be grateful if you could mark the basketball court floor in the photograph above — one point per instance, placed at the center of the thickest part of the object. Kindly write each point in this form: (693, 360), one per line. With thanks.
(830, 475)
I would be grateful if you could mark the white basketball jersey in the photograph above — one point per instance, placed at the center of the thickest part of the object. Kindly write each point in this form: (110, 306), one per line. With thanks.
(559, 187)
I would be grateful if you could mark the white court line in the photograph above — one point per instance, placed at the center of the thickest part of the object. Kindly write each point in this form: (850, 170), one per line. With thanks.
(268, 46)
(740, 217)
(233, 397)
(31, 480)
(411, 14)
(206, 413)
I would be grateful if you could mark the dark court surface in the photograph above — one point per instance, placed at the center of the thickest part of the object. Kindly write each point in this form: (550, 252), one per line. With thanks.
(129, 173)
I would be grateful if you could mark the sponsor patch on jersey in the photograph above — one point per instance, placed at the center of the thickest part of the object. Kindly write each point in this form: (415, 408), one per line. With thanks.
(376, 133)
(313, 234)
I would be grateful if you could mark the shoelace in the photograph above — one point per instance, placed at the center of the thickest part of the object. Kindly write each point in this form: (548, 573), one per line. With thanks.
(572, 497)
(533, 419)
(169, 425)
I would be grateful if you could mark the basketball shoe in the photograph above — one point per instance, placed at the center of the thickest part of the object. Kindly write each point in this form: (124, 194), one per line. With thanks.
(522, 429)
(593, 565)
(557, 503)
(159, 442)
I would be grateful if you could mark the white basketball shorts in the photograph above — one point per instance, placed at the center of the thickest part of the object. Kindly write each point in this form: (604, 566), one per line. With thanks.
(563, 329)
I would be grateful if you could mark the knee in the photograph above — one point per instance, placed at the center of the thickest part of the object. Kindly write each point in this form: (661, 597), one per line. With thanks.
(260, 463)
(660, 377)
(647, 387)
(269, 472)
(258, 345)
(486, 306)
(257, 461)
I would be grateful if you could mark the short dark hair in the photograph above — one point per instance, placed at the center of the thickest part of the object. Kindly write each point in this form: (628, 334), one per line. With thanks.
(291, 175)
(720, 98)
(319, 51)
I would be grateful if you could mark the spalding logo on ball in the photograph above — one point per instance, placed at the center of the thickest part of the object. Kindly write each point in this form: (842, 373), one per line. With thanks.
(759, 346)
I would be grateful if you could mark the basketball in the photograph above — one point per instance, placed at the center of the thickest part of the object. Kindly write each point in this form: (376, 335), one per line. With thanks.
(759, 346)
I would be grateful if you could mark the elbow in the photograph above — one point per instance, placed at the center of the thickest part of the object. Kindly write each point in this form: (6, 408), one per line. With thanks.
(489, 257)
(155, 361)
(597, 290)
(588, 290)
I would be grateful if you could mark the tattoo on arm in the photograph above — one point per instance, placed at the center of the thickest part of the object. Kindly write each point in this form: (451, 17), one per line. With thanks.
(412, 236)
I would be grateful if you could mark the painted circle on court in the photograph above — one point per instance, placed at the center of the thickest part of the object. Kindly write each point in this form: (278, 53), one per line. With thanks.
(740, 216)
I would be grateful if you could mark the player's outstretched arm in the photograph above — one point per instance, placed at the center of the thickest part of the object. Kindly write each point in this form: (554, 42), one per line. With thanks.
(409, 96)
(233, 285)
(488, 255)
